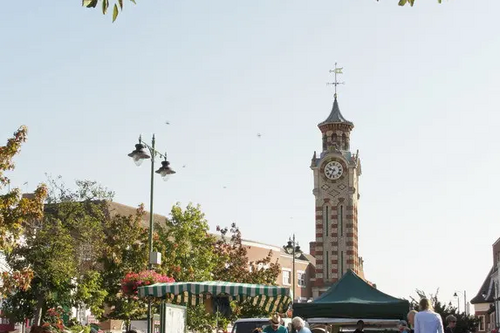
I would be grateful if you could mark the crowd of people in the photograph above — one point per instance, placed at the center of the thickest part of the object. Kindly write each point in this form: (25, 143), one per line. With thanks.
(423, 321)
(426, 320)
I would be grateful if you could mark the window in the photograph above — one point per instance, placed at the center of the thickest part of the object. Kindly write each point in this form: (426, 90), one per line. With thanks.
(301, 279)
(286, 277)
(341, 263)
(326, 221)
(340, 218)
(481, 323)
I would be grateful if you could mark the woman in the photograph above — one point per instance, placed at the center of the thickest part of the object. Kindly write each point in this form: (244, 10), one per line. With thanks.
(451, 323)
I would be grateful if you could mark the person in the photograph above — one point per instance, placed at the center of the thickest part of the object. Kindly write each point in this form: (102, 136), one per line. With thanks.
(275, 325)
(299, 325)
(403, 326)
(411, 320)
(360, 325)
(451, 323)
(427, 321)
(257, 330)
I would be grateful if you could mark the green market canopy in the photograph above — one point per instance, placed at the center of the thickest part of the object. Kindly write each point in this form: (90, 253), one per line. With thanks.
(271, 298)
(352, 297)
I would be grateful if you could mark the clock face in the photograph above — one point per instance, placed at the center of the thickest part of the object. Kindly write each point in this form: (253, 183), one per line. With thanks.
(333, 170)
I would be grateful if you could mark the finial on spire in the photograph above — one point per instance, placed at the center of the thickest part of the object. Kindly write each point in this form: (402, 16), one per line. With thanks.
(337, 70)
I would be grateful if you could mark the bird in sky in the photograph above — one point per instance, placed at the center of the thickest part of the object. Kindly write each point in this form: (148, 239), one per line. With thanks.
(259, 135)
(184, 166)
(167, 122)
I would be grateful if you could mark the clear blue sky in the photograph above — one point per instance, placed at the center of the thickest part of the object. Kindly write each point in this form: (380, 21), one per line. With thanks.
(421, 87)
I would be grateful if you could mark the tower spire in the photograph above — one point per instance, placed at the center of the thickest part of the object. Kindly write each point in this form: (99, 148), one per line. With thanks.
(335, 115)
(335, 83)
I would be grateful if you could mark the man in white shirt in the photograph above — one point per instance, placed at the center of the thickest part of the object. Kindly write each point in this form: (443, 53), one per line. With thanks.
(427, 321)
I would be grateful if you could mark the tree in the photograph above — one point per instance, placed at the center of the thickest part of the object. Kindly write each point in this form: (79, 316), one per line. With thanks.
(233, 265)
(465, 323)
(16, 212)
(187, 245)
(118, 6)
(61, 250)
(125, 251)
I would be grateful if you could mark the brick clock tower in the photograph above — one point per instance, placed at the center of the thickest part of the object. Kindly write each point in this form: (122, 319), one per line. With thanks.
(336, 175)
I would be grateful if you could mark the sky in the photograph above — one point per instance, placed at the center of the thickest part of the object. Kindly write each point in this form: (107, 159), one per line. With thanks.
(421, 87)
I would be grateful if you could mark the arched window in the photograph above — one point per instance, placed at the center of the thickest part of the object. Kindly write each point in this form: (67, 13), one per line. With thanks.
(345, 143)
(324, 142)
(335, 142)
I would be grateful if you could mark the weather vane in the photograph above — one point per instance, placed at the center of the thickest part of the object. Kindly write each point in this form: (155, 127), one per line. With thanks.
(336, 71)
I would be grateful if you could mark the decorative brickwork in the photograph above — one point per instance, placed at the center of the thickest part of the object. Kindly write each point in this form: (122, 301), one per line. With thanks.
(336, 211)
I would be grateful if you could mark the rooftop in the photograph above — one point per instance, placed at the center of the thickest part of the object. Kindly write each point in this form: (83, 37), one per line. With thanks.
(335, 115)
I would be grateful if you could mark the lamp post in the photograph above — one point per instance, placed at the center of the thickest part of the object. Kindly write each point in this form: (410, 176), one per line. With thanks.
(293, 248)
(139, 155)
(464, 293)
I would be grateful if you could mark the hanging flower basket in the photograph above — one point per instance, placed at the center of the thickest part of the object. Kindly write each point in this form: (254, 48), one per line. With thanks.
(132, 281)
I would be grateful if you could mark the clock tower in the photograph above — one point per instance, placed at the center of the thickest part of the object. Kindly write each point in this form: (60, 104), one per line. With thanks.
(336, 173)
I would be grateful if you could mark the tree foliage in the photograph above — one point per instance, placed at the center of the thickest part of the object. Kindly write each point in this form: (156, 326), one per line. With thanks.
(118, 5)
(233, 263)
(410, 2)
(125, 251)
(187, 245)
(104, 5)
(62, 250)
(16, 212)
(465, 323)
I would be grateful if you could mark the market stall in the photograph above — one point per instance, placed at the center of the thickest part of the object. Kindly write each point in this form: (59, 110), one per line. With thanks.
(352, 297)
(272, 298)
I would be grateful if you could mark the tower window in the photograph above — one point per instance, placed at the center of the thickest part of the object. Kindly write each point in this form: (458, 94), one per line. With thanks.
(341, 263)
(325, 218)
(334, 140)
(345, 144)
(324, 142)
(341, 219)
(327, 266)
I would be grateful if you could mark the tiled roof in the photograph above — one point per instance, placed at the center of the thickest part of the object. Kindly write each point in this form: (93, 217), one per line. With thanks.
(487, 290)
(335, 115)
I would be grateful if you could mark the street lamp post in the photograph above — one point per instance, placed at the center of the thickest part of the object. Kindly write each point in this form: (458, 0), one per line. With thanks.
(293, 248)
(465, 300)
(139, 155)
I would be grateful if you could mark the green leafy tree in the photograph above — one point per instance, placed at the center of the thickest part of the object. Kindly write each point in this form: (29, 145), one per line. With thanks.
(465, 323)
(186, 244)
(16, 212)
(61, 250)
(125, 251)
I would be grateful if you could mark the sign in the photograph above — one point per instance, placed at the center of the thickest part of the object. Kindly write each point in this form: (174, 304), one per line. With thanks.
(174, 318)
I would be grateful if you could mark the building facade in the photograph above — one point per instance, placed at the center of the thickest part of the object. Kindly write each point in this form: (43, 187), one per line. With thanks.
(304, 268)
(336, 177)
(487, 301)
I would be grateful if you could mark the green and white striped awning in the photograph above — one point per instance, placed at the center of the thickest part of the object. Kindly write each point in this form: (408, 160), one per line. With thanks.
(272, 298)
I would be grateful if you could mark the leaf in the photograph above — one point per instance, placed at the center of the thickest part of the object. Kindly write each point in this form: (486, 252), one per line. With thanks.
(120, 2)
(135, 3)
(105, 5)
(115, 12)
(89, 3)
(411, 2)
(402, 2)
